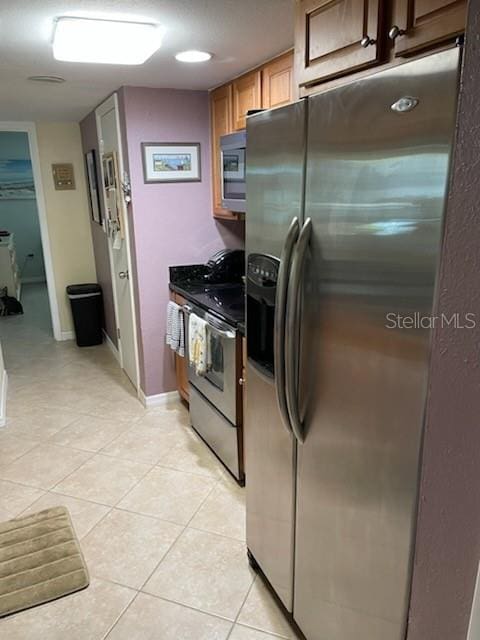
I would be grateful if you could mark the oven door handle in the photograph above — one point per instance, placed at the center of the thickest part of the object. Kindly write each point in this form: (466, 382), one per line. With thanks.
(219, 327)
(279, 322)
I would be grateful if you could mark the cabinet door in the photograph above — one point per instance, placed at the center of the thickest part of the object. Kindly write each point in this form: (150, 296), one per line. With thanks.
(418, 24)
(221, 124)
(246, 95)
(277, 82)
(333, 37)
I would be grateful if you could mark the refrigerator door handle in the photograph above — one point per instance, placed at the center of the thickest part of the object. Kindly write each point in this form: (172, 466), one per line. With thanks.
(292, 329)
(279, 320)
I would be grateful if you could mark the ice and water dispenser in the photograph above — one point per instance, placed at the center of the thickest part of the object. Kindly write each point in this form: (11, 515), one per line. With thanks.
(262, 275)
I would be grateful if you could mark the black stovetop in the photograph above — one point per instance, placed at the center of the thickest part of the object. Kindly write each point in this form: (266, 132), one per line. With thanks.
(227, 300)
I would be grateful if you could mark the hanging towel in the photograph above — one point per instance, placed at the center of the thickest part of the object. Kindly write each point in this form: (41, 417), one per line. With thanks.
(175, 337)
(198, 344)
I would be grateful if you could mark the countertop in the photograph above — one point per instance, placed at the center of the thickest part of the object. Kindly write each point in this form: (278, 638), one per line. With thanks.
(225, 299)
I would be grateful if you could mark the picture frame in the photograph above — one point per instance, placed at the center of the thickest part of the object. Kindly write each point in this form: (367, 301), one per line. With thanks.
(16, 180)
(93, 191)
(171, 162)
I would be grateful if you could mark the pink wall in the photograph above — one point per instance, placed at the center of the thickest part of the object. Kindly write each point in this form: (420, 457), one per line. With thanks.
(448, 529)
(171, 223)
(88, 130)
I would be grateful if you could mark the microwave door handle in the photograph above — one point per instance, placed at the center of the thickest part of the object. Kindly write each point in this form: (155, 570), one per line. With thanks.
(292, 329)
(222, 178)
(279, 321)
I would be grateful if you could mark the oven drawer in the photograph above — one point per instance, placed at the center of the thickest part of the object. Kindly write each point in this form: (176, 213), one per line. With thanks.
(216, 430)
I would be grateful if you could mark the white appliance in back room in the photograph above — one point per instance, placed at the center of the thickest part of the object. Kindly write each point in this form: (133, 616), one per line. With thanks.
(345, 199)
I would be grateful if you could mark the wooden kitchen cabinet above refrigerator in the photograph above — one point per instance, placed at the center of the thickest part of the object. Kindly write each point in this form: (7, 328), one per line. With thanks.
(332, 38)
(335, 39)
(417, 24)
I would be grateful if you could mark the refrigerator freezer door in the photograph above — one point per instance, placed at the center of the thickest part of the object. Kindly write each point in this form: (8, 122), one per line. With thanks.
(275, 174)
(375, 191)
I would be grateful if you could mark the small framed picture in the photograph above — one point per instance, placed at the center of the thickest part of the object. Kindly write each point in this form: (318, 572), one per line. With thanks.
(94, 195)
(171, 161)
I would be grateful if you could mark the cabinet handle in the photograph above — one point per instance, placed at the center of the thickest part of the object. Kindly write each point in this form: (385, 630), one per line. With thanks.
(367, 41)
(241, 381)
(395, 31)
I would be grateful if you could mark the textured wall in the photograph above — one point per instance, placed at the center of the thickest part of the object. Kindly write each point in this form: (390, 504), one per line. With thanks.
(88, 129)
(448, 533)
(67, 212)
(171, 223)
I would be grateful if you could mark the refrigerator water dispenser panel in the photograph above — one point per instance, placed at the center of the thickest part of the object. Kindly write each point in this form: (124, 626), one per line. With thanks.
(262, 274)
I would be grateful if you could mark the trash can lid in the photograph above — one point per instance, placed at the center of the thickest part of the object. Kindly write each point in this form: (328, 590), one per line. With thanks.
(83, 289)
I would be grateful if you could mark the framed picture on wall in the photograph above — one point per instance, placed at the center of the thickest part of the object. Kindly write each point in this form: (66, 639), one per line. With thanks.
(93, 192)
(16, 180)
(171, 162)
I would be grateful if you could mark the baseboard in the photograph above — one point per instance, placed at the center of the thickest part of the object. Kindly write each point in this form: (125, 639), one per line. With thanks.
(159, 400)
(3, 400)
(67, 335)
(111, 346)
(34, 280)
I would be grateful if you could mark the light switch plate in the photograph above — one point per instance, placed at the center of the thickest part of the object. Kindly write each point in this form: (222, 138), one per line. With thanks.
(63, 177)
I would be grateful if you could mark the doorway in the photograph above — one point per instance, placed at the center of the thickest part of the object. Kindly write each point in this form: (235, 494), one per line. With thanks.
(26, 272)
(118, 234)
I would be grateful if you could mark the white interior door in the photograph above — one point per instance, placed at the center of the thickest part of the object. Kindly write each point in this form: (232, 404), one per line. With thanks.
(119, 249)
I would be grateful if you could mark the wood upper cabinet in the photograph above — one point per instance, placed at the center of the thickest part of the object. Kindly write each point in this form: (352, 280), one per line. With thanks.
(247, 94)
(270, 85)
(333, 37)
(277, 82)
(221, 124)
(418, 24)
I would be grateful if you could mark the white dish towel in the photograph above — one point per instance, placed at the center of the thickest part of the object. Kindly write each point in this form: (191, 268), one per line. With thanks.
(175, 328)
(198, 352)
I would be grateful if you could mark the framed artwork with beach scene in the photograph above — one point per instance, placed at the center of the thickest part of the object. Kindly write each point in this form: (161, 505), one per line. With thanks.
(171, 161)
(16, 180)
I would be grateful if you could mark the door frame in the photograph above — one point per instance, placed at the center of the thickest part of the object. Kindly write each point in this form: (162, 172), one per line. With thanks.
(107, 105)
(30, 129)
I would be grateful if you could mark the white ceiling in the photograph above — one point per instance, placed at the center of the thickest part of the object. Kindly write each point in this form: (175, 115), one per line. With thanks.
(240, 34)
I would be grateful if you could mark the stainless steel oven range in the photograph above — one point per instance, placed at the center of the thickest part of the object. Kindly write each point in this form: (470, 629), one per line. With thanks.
(215, 398)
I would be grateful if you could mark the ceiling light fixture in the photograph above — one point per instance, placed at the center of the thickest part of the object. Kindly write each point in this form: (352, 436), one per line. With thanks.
(50, 79)
(104, 41)
(193, 56)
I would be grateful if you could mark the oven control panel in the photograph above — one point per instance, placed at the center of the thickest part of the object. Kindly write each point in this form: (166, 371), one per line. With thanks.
(262, 270)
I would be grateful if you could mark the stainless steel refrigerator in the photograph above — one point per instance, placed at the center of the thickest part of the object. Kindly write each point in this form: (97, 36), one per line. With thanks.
(345, 199)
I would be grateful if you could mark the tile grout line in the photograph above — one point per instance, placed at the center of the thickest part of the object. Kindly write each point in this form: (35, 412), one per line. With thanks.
(121, 614)
(185, 526)
(53, 486)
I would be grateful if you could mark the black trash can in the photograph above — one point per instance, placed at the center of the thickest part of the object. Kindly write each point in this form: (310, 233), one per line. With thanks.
(87, 310)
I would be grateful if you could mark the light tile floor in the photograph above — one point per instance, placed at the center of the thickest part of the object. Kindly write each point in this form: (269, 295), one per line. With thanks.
(162, 525)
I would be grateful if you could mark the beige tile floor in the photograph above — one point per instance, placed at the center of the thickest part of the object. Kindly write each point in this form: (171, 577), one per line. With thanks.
(162, 525)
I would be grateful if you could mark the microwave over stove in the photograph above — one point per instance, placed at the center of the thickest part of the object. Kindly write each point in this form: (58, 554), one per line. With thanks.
(233, 176)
